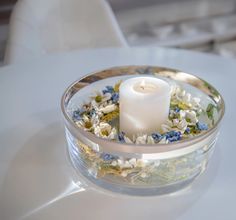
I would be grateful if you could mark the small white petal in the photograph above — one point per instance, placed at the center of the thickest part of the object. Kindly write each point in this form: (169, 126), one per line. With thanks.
(120, 162)
(108, 109)
(95, 120)
(150, 140)
(182, 125)
(140, 163)
(192, 116)
(127, 140)
(114, 163)
(85, 118)
(141, 139)
(175, 121)
(79, 123)
(124, 174)
(127, 165)
(163, 141)
(182, 114)
(97, 131)
(113, 134)
(133, 161)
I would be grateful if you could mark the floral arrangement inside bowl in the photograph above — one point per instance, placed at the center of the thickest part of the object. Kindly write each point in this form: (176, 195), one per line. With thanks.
(190, 118)
(187, 118)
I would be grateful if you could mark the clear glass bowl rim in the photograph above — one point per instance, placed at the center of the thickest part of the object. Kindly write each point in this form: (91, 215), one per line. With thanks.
(117, 147)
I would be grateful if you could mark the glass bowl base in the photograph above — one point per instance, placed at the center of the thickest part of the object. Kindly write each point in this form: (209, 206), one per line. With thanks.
(132, 190)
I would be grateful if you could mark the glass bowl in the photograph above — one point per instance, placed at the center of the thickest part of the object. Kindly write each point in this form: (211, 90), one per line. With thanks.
(159, 168)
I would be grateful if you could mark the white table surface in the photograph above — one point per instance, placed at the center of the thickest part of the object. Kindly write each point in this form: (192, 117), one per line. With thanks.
(36, 179)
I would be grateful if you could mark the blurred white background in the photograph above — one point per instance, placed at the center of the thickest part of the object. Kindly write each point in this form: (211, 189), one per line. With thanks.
(202, 25)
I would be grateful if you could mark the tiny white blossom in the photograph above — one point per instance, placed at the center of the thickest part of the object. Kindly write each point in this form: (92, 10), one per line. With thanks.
(127, 140)
(177, 90)
(112, 134)
(95, 120)
(120, 162)
(140, 163)
(182, 114)
(133, 161)
(172, 113)
(124, 173)
(150, 140)
(163, 141)
(182, 125)
(102, 128)
(114, 163)
(79, 123)
(192, 116)
(106, 97)
(85, 118)
(141, 139)
(108, 108)
(127, 165)
(175, 121)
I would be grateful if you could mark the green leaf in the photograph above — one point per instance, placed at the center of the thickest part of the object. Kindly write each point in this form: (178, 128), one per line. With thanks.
(210, 111)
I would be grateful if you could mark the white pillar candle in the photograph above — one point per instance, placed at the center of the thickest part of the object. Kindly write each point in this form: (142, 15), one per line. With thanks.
(144, 105)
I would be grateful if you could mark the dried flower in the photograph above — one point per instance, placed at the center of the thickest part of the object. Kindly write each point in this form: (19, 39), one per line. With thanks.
(127, 140)
(98, 98)
(103, 130)
(107, 157)
(97, 116)
(121, 137)
(115, 97)
(133, 162)
(202, 126)
(173, 136)
(150, 140)
(187, 130)
(182, 125)
(192, 116)
(108, 89)
(124, 173)
(141, 139)
(108, 108)
(77, 115)
(157, 137)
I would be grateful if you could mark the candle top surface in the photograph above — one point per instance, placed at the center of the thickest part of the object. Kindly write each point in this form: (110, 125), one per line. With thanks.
(145, 86)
